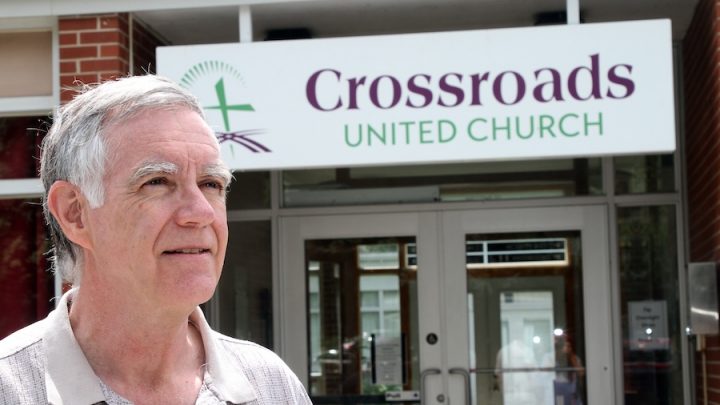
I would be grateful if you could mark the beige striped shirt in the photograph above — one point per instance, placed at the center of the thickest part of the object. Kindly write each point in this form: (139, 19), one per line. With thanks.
(43, 364)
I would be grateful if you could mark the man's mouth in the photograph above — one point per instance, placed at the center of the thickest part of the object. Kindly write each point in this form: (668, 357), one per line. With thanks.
(194, 251)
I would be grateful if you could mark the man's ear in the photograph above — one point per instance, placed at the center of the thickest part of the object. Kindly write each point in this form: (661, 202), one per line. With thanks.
(68, 205)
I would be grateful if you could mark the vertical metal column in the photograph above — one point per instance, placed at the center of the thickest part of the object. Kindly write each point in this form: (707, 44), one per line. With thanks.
(573, 11)
(245, 24)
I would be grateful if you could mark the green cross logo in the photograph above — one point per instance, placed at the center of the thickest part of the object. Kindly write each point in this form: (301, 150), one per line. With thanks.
(203, 74)
(223, 105)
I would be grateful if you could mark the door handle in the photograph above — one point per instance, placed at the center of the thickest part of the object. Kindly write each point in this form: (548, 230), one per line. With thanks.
(423, 377)
(466, 378)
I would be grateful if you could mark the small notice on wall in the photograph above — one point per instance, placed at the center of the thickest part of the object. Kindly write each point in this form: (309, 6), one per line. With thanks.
(648, 325)
(388, 360)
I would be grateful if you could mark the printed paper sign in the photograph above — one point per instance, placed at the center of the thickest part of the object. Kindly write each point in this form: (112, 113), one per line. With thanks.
(388, 360)
(648, 325)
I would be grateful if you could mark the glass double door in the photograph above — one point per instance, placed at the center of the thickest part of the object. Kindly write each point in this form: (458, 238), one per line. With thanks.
(496, 306)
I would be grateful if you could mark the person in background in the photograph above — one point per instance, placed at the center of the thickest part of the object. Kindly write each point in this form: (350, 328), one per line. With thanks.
(135, 203)
(569, 373)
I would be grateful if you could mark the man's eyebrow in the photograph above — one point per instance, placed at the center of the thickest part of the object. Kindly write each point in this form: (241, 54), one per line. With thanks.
(150, 168)
(218, 170)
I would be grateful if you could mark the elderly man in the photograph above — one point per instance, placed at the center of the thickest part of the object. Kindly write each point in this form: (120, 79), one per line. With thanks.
(135, 202)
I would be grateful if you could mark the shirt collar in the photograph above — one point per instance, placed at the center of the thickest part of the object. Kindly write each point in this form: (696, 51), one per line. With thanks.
(70, 380)
(228, 377)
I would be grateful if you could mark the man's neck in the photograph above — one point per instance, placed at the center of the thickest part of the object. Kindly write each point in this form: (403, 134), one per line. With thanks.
(141, 353)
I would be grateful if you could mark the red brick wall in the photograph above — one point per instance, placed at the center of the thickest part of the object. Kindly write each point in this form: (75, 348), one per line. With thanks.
(94, 48)
(701, 70)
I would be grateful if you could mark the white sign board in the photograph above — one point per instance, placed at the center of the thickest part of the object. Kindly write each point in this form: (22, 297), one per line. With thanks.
(648, 325)
(521, 93)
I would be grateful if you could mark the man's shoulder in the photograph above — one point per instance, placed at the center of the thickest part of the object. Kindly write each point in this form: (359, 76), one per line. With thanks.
(271, 378)
(21, 340)
(252, 357)
(245, 348)
(22, 366)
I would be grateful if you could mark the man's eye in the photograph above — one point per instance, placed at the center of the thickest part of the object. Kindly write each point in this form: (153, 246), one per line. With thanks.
(158, 181)
(214, 185)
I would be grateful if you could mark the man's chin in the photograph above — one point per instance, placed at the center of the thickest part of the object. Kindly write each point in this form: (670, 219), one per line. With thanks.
(195, 291)
(204, 294)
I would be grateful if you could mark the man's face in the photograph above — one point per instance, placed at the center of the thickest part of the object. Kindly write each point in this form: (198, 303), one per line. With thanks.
(162, 231)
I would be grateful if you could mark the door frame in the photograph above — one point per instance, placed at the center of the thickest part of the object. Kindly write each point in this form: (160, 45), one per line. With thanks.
(440, 238)
(292, 283)
(592, 222)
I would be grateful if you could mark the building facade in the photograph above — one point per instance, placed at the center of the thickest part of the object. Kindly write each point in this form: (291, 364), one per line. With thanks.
(508, 281)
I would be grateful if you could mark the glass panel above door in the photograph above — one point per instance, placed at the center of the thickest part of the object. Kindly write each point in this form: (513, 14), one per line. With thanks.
(443, 182)
(644, 174)
(249, 190)
(362, 319)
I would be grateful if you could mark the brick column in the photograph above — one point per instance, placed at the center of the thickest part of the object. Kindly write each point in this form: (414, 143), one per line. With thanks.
(701, 60)
(92, 49)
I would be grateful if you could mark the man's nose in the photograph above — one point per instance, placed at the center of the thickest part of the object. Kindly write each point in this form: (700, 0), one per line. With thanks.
(194, 208)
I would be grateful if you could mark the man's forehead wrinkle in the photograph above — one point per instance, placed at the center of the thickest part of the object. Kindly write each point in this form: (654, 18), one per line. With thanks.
(157, 133)
(199, 142)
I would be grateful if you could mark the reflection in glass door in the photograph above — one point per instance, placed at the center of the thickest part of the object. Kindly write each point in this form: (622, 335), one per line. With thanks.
(362, 318)
(525, 318)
